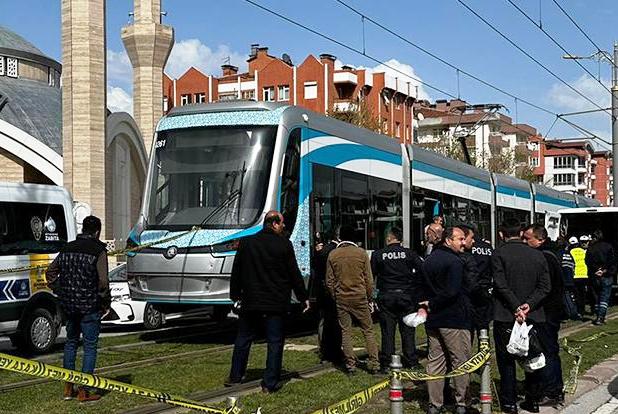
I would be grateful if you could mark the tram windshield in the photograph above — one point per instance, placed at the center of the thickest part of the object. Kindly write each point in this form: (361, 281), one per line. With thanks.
(214, 177)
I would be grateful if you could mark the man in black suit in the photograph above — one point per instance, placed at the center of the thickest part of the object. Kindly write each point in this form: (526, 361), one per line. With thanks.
(521, 282)
(263, 276)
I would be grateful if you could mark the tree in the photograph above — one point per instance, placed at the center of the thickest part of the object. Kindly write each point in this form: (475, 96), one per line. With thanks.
(357, 114)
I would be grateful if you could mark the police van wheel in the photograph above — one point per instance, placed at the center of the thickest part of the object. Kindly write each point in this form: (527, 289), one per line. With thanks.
(153, 319)
(39, 331)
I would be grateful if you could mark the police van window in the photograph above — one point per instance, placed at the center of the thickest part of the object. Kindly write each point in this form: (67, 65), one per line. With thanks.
(31, 228)
(290, 180)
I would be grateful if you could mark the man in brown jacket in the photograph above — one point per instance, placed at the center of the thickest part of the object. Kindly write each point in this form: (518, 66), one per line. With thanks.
(350, 282)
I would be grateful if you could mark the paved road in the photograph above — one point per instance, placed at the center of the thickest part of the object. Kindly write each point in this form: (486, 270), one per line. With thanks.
(600, 400)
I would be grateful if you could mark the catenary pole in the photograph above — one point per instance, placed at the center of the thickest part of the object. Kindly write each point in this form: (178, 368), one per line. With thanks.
(615, 125)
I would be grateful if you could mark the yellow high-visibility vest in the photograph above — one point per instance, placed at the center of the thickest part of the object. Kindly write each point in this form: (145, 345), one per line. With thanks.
(579, 257)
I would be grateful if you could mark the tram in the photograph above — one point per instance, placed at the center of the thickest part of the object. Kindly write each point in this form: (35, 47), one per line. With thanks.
(221, 167)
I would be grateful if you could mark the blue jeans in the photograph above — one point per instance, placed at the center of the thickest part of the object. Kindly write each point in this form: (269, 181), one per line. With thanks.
(89, 326)
(603, 287)
(247, 327)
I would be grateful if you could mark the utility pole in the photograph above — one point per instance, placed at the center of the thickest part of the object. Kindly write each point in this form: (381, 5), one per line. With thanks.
(615, 125)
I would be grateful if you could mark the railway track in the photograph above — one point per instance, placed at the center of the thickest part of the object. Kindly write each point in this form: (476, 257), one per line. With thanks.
(122, 367)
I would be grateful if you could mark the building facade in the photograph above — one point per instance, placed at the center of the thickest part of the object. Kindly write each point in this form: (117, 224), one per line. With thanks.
(314, 84)
(573, 166)
(487, 132)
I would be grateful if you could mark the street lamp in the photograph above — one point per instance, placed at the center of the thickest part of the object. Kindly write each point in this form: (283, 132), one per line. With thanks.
(601, 56)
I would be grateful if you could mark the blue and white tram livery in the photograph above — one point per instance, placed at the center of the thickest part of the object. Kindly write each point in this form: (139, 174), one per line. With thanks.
(221, 167)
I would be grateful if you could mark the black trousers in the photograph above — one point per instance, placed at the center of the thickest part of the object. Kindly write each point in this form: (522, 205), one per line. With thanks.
(508, 370)
(550, 376)
(393, 307)
(329, 332)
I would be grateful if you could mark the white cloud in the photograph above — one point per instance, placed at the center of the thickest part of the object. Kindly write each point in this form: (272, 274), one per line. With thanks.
(192, 52)
(564, 98)
(118, 100)
(119, 69)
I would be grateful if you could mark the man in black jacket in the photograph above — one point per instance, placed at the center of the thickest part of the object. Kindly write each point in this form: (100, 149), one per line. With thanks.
(477, 276)
(78, 276)
(549, 377)
(329, 333)
(601, 262)
(398, 272)
(448, 319)
(521, 282)
(263, 276)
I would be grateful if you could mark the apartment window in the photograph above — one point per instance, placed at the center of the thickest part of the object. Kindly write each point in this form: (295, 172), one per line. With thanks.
(268, 94)
(534, 162)
(397, 130)
(581, 178)
(185, 99)
(2, 68)
(564, 162)
(564, 179)
(165, 104)
(249, 94)
(11, 67)
(284, 93)
(228, 96)
(200, 97)
(311, 90)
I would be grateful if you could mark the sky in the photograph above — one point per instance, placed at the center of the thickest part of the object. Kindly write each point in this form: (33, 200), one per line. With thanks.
(208, 31)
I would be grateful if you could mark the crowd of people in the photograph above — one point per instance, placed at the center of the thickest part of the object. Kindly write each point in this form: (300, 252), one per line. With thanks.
(459, 286)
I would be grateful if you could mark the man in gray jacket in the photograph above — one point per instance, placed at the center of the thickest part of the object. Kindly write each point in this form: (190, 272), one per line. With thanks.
(521, 282)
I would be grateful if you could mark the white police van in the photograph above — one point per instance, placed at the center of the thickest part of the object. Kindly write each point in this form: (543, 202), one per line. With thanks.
(36, 221)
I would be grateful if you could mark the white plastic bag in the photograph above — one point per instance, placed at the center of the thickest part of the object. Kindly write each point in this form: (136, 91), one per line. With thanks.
(519, 343)
(414, 319)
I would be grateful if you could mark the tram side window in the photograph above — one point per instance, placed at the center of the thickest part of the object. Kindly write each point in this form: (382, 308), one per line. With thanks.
(386, 211)
(325, 201)
(480, 215)
(355, 204)
(290, 180)
(505, 213)
(29, 228)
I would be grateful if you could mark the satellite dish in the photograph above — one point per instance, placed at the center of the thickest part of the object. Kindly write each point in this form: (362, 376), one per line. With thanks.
(420, 116)
(286, 58)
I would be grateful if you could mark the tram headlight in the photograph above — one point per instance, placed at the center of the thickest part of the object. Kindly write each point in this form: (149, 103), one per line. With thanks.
(228, 246)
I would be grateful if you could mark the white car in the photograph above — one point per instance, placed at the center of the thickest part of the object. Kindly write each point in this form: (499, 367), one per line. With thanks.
(125, 311)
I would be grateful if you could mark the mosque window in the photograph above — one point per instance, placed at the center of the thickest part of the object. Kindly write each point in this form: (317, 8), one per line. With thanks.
(1, 65)
(11, 67)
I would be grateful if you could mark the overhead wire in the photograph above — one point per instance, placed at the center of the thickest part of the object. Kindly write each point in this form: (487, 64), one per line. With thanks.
(348, 47)
(520, 10)
(582, 31)
(460, 70)
(535, 60)
(376, 60)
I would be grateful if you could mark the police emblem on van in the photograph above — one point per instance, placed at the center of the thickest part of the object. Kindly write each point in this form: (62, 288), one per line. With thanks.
(36, 225)
(171, 252)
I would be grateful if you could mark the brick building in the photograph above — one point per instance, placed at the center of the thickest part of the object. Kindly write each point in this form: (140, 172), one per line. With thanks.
(314, 84)
(573, 166)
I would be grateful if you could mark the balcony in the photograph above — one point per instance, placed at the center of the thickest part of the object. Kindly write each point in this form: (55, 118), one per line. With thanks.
(345, 77)
(345, 105)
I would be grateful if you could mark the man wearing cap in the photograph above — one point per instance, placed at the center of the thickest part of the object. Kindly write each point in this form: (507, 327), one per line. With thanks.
(580, 275)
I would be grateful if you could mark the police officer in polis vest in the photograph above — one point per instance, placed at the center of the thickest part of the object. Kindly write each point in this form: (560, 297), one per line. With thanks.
(398, 274)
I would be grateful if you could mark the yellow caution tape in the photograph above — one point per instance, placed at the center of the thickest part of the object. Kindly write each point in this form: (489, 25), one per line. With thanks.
(118, 252)
(474, 363)
(570, 385)
(355, 402)
(40, 369)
